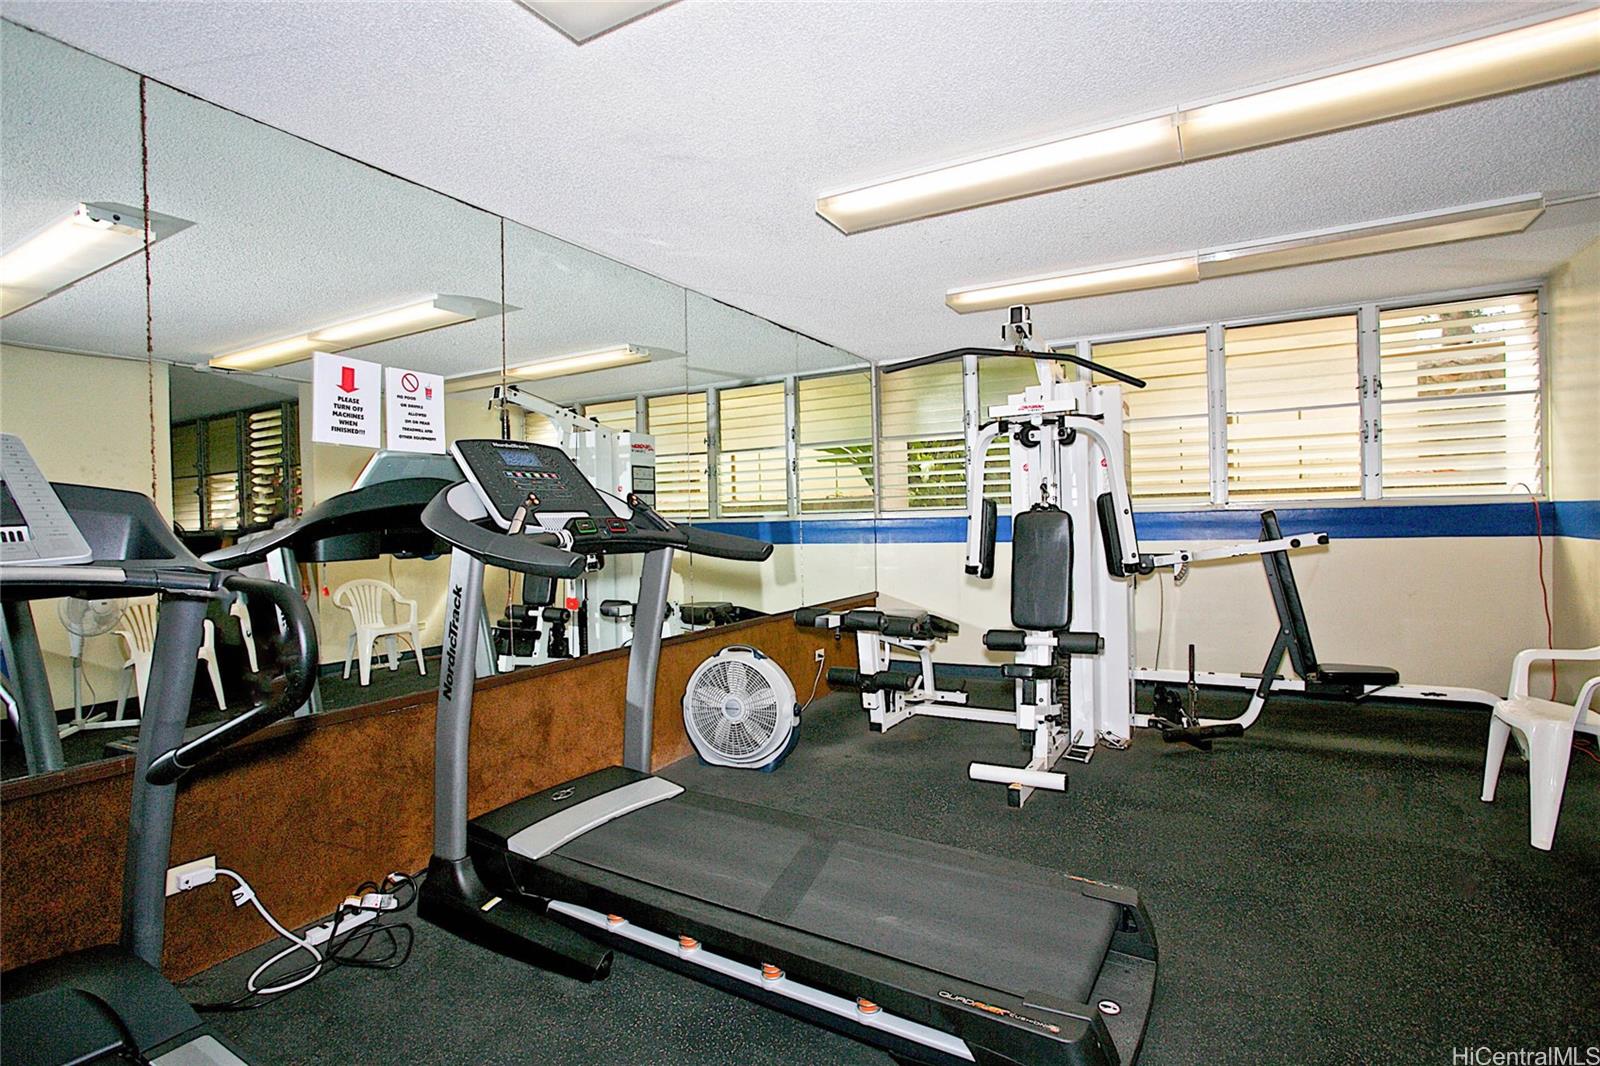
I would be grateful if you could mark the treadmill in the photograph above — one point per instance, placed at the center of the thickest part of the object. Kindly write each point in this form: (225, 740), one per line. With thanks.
(110, 1003)
(933, 954)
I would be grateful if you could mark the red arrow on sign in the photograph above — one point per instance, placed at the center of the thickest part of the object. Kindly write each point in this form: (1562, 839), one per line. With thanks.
(347, 379)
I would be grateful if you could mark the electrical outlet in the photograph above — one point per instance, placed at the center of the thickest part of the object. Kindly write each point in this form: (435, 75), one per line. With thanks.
(821, 655)
(191, 875)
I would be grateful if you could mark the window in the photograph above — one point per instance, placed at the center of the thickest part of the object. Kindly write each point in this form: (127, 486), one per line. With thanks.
(921, 454)
(834, 438)
(1293, 409)
(613, 414)
(1460, 411)
(272, 470)
(999, 380)
(752, 450)
(1169, 440)
(678, 423)
(236, 471)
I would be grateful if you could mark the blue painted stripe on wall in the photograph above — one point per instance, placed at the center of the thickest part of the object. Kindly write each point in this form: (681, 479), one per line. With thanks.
(1567, 518)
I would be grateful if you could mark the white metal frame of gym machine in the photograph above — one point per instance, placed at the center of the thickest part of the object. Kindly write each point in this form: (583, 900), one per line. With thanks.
(1068, 448)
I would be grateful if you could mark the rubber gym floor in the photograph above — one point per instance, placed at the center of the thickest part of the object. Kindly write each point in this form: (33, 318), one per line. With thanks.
(1328, 889)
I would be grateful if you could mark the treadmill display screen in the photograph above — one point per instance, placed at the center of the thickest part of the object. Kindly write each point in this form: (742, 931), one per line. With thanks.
(519, 458)
(10, 513)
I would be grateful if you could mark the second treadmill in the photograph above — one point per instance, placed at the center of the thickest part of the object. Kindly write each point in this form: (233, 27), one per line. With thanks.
(935, 954)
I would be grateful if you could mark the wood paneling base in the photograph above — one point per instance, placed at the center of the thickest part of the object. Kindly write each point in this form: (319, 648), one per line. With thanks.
(314, 806)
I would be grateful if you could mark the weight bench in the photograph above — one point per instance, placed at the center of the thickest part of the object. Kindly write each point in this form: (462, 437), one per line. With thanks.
(891, 696)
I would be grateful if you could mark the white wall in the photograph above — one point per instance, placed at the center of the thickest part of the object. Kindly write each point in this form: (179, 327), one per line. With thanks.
(86, 420)
(1573, 371)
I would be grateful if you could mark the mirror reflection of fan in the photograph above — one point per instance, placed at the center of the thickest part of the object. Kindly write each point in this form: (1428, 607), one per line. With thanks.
(84, 619)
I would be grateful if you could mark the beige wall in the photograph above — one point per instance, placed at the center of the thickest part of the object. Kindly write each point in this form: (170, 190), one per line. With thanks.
(1573, 369)
(1447, 611)
(87, 420)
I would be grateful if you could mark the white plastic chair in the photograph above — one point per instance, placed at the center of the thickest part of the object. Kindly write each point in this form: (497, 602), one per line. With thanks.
(365, 599)
(247, 632)
(1548, 728)
(138, 633)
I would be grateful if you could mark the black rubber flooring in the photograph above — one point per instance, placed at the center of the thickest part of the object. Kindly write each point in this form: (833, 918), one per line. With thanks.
(1328, 889)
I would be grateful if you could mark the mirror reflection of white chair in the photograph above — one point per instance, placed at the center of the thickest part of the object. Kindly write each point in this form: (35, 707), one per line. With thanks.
(367, 600)
(246, 632)
(1548, 728)
(138, 633)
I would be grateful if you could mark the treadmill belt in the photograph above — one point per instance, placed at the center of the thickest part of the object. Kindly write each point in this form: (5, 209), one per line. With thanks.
(1004, 925)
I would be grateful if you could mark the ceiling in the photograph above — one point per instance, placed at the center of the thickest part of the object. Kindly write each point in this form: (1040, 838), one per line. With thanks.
(693, 142)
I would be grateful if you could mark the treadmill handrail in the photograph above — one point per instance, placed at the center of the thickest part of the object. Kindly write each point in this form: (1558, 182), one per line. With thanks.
(300, 673)
(358, 510)
(532, 553)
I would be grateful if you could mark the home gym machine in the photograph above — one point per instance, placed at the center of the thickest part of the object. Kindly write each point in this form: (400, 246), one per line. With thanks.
(890, 696)
(896, 942)
(1074, 556)
(111, 1002)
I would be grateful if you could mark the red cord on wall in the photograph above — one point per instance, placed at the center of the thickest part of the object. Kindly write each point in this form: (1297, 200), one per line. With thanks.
(1544, 589)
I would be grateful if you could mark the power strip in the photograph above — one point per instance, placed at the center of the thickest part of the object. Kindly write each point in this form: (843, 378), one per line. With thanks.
(320, 934)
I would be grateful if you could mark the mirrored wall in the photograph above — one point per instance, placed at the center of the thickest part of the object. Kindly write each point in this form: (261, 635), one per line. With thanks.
(265, 247)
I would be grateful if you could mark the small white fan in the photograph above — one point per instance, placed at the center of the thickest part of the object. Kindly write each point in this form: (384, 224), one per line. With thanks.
(739, 710)
(83, 619)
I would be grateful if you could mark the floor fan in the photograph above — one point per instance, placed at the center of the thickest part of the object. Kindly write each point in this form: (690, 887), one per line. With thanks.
(84, 619)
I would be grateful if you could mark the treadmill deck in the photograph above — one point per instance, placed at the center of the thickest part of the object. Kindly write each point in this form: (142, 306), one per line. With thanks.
(972, 924)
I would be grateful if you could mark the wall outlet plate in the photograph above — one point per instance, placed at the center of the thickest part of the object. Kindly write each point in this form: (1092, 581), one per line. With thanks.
(821, 655)
(191, 874)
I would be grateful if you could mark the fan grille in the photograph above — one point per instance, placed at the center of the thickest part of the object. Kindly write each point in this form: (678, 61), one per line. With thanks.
(734, 708)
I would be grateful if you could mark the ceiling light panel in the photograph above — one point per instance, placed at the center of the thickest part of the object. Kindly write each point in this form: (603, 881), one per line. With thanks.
(434, 312)
(1532, 55)
(1518, 59)
(1098, 282)
(558, 366)
(1390, 235)
(86, 240)
(1417, 232)
(1022, 172)
(584, 20)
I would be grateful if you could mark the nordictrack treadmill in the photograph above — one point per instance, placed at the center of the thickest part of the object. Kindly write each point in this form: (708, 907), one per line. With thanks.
(934, 954)
(111, 1003)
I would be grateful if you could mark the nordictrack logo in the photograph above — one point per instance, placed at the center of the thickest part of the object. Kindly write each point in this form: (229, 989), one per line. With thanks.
(1543, 1056)
(452, 642)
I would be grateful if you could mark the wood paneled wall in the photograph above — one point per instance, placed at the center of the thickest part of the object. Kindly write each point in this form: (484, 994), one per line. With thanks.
(314, 806)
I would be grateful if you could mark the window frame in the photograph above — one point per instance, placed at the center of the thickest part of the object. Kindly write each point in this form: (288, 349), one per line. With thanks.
(289, 415)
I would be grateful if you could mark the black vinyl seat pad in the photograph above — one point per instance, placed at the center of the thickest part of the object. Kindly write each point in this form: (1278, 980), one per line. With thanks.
(999, 924)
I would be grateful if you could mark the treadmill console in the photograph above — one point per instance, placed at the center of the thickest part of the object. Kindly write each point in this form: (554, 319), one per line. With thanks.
(511, 474)
(35, 528)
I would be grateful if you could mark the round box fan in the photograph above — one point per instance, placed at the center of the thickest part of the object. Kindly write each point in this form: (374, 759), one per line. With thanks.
(739, 710)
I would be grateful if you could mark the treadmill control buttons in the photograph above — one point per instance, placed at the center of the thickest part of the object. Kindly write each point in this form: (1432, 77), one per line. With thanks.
(616, 525)
(585, 526)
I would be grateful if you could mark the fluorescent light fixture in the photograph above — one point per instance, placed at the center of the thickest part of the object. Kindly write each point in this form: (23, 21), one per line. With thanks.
(1516, 59)
(584, 20)
(558, 366)
(1021, 172)
(1388, 235)
(432, 313)
(1415, 231)
(582, 363)
(1097, 282)
(88, 239)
